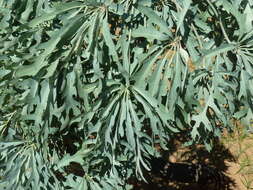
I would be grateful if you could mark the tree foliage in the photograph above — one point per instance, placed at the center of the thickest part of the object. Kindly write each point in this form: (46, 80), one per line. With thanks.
(89, 88)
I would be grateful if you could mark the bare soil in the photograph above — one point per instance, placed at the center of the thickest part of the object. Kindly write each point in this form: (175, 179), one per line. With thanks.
(232, 155)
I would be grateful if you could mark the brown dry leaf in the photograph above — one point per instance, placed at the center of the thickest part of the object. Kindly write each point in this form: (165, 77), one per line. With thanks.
(190, 65)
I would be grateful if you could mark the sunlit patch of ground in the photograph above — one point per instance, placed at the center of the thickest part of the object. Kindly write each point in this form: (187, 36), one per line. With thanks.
(241, 146)
(233, 155)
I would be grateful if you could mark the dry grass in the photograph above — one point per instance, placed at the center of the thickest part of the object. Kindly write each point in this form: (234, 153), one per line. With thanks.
(241, 145)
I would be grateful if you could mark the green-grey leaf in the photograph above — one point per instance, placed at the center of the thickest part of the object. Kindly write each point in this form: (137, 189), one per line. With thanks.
(182, 13)
(153, 17)
(149, 33)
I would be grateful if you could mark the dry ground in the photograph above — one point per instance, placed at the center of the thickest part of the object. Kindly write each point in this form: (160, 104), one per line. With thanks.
(233, 155)
(240, 170)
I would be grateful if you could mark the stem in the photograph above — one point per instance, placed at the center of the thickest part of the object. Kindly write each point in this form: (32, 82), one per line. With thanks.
(220, 21)
(197, 36)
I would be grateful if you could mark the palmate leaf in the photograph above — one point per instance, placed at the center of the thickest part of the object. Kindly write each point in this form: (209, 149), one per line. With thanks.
(153, 17)
(245, 58)
(51, 14)
(145, 70)
(89, 182)
(74, 26)
(77, 157)
(48, 47)
(26, 167)
(207, 54)
(155, 80)
(203, 119)
(243, 18)
(102, 83)
(125, 45)
(108, 39)
(130, 124)
(182, 13)
(149, 33)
